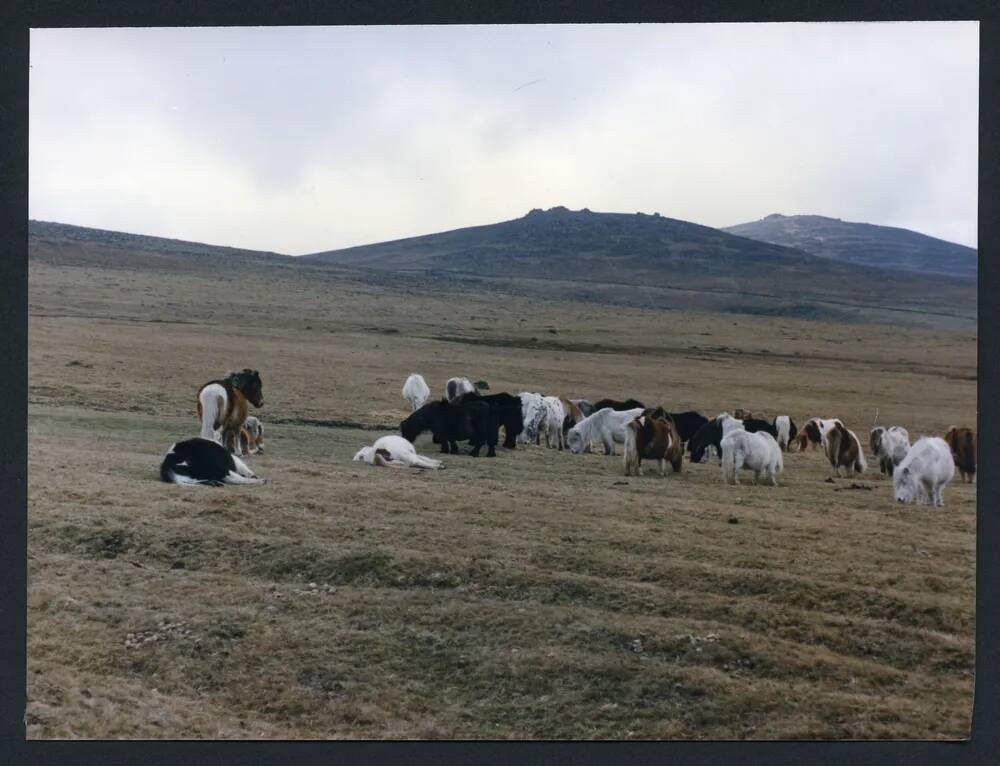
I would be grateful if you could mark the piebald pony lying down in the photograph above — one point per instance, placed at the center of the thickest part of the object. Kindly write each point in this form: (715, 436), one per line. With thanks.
(395, 452)
(606, 426)
(204, 461)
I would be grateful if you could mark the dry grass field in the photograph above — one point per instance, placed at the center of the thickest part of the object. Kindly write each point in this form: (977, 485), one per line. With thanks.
(535, 595)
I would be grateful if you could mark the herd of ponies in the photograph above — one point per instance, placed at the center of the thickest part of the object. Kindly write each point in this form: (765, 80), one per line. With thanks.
(740, 440)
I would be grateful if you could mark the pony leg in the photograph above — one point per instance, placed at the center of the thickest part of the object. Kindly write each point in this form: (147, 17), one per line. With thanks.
(243, 469)
(662, 465)
(242, 474)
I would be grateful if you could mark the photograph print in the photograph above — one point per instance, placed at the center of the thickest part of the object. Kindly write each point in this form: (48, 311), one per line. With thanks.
(503, 382)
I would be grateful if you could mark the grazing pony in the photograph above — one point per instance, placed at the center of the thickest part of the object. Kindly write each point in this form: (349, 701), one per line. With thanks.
(532, 415)
(757, 451)
(710, 435)
(471, 420)
(455, 387)
(573, 415)
(924, 472)
(785, 429)
(606, 425)
(628, 404)
(396, 452)
(222, 406)
(507, 411)
(552, 424)
(416, 391)
(812, 433)
(962, 442)
(204, 461)
(252, 436)
(687, 423)
(843, 450)
(753, 425)
(889, 445)
(653, 438)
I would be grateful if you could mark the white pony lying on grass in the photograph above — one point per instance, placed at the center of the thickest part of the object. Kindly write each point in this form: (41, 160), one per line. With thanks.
(606, 426)
(757, 451)
(397, 452)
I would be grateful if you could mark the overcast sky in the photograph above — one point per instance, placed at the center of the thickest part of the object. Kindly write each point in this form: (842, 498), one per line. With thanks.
(300, 139)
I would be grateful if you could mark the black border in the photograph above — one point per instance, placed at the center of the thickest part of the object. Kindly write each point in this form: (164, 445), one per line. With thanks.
(984, 746)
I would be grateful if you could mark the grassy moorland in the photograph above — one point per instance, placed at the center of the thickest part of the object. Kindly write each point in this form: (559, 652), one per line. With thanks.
(535, 595)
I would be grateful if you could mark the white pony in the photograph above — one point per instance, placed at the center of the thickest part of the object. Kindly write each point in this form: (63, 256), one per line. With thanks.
(757, 451)
(606, 426)
(890, 446)
(533, 413)
(783, 425)
(397, 452)
(416, 391)
(555, 414)
(455, 387)
(924, 472)
(728, 423)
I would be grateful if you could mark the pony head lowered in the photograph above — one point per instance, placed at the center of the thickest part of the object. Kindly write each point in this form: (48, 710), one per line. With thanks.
(905, 486)
(423, 419)
(249, 384)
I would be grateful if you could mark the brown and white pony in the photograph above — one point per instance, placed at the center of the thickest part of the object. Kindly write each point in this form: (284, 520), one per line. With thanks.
(653, 438)
(962, 442)
(223, 406)
(252, 436)
(811, 434)
(843, 450)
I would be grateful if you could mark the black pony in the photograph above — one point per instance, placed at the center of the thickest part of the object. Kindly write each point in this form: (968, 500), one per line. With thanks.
(470, 419)
(753, 425)
(628, 404)
(711, 434)
(686, 423)
(506, 408)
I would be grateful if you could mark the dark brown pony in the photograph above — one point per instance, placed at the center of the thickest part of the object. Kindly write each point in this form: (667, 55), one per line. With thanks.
(963, 449)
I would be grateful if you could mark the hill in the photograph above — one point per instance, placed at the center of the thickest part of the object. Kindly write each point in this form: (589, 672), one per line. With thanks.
(863, 243)
(654, 261)
(81, 245)
(636, 260)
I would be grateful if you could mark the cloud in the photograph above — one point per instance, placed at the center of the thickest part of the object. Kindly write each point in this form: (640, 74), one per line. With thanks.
(307, 139)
